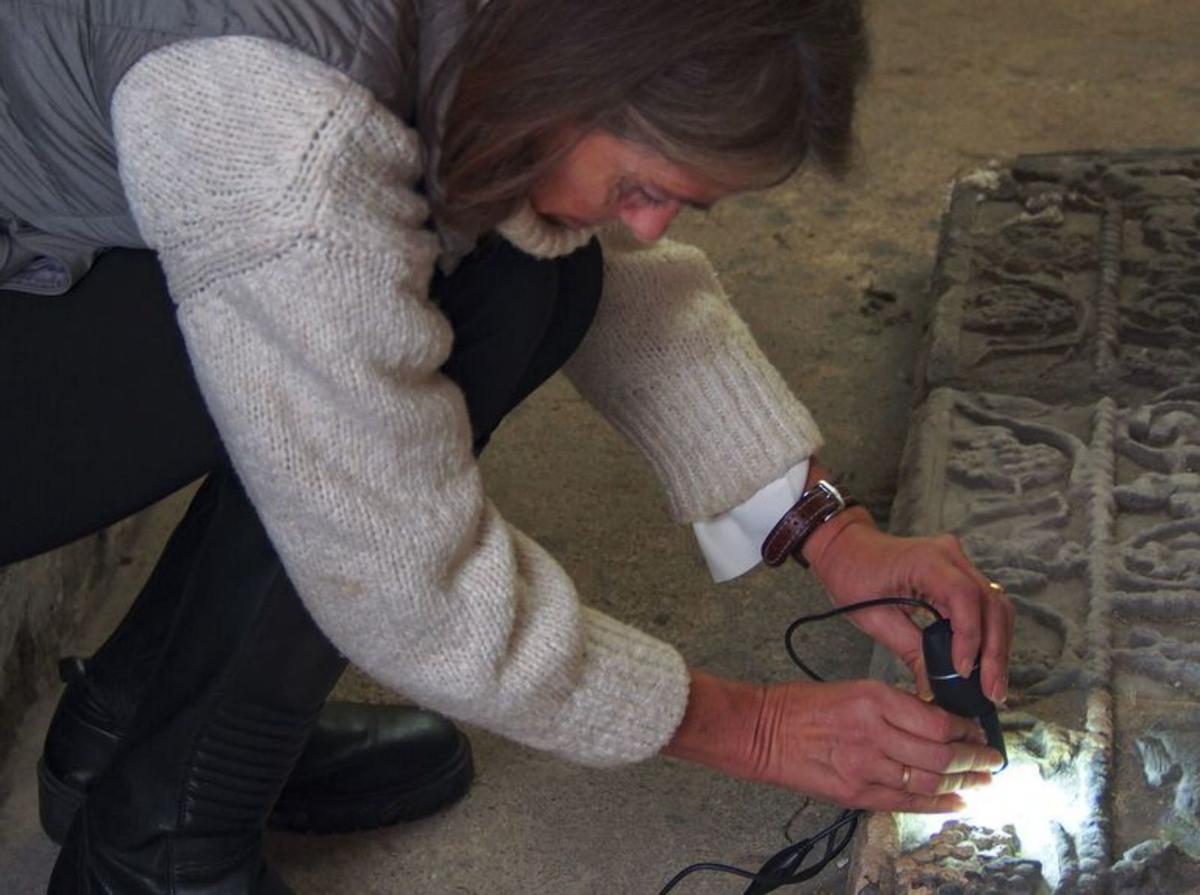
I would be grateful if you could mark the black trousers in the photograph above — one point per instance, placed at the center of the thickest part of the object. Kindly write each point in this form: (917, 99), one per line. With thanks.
(100, 415)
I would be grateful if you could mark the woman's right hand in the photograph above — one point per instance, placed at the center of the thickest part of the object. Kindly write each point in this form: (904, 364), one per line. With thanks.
(860, 744)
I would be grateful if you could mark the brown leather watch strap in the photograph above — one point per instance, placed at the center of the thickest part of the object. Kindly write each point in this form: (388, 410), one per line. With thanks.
(817, 505)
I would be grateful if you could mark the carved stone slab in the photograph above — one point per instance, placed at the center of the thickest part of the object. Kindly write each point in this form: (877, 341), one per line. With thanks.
(1069, 277)
(1059, 436)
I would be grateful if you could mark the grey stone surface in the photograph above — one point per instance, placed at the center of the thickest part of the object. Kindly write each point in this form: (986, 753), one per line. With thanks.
(1066, 457)
(38, 601)
(1070, 276)
(43, 602)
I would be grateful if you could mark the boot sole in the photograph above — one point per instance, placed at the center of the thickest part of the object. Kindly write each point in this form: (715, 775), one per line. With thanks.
(59, 802)
(382, 808)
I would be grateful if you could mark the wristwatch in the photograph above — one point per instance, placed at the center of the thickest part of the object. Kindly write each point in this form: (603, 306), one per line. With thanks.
(816, 506)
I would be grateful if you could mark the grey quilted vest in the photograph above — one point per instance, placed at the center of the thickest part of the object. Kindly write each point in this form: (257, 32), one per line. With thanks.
(61, 60)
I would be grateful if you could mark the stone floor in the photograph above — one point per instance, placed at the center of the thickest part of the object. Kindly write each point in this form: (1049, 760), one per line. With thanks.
(832, 279)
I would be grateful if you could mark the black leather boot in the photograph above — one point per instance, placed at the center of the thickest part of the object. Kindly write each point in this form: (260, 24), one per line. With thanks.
(364, 766)
(241, 679)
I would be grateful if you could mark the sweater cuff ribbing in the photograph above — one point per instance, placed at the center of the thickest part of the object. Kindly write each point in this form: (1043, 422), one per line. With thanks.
(722, 460)
(632, 697)
(672, 367)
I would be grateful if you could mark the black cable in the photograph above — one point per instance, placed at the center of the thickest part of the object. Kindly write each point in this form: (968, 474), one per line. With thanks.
(784, 867)
(841, 610)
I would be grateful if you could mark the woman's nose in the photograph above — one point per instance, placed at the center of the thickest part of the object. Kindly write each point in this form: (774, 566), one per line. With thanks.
(648, 224)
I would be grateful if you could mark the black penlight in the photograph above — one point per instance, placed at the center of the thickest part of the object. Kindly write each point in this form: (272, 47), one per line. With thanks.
(960, 695)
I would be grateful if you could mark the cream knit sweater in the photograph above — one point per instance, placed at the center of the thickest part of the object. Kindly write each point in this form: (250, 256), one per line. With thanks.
(279, 196)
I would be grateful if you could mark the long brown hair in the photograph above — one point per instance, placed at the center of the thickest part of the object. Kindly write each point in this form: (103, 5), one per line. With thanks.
(743, 91)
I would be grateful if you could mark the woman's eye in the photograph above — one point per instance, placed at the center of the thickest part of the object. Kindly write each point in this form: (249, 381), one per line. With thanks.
(639, 195)
(650, 199)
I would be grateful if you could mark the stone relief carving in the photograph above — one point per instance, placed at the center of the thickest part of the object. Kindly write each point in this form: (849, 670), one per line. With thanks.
(1090, 517)
(1059, 436)
(1085, 268)
(962, 859)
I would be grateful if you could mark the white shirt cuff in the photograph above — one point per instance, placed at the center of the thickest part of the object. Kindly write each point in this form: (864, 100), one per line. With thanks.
(732, 542)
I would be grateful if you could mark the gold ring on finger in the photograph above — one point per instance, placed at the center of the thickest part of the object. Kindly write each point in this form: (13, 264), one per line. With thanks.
(996, 586)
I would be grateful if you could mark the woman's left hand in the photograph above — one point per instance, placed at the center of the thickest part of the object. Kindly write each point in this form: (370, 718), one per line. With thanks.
(856, 561)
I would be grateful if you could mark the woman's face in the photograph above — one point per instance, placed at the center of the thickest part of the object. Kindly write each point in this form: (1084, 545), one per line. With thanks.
(604, 179)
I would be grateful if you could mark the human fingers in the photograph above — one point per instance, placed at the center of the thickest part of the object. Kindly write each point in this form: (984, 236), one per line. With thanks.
(942, 759)
(927, 722)
(908, 778)
(921, 676)
(886, 798)
(956, 554)
(894, 629)
(1000, 617)
(961, 594)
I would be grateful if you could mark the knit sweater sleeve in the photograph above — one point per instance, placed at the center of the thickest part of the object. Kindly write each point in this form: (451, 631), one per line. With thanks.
(672, 366)
(279, 196)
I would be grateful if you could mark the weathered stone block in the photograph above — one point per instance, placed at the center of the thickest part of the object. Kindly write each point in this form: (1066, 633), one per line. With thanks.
(1070, 277)
(1059, 436)
(1087, 516)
